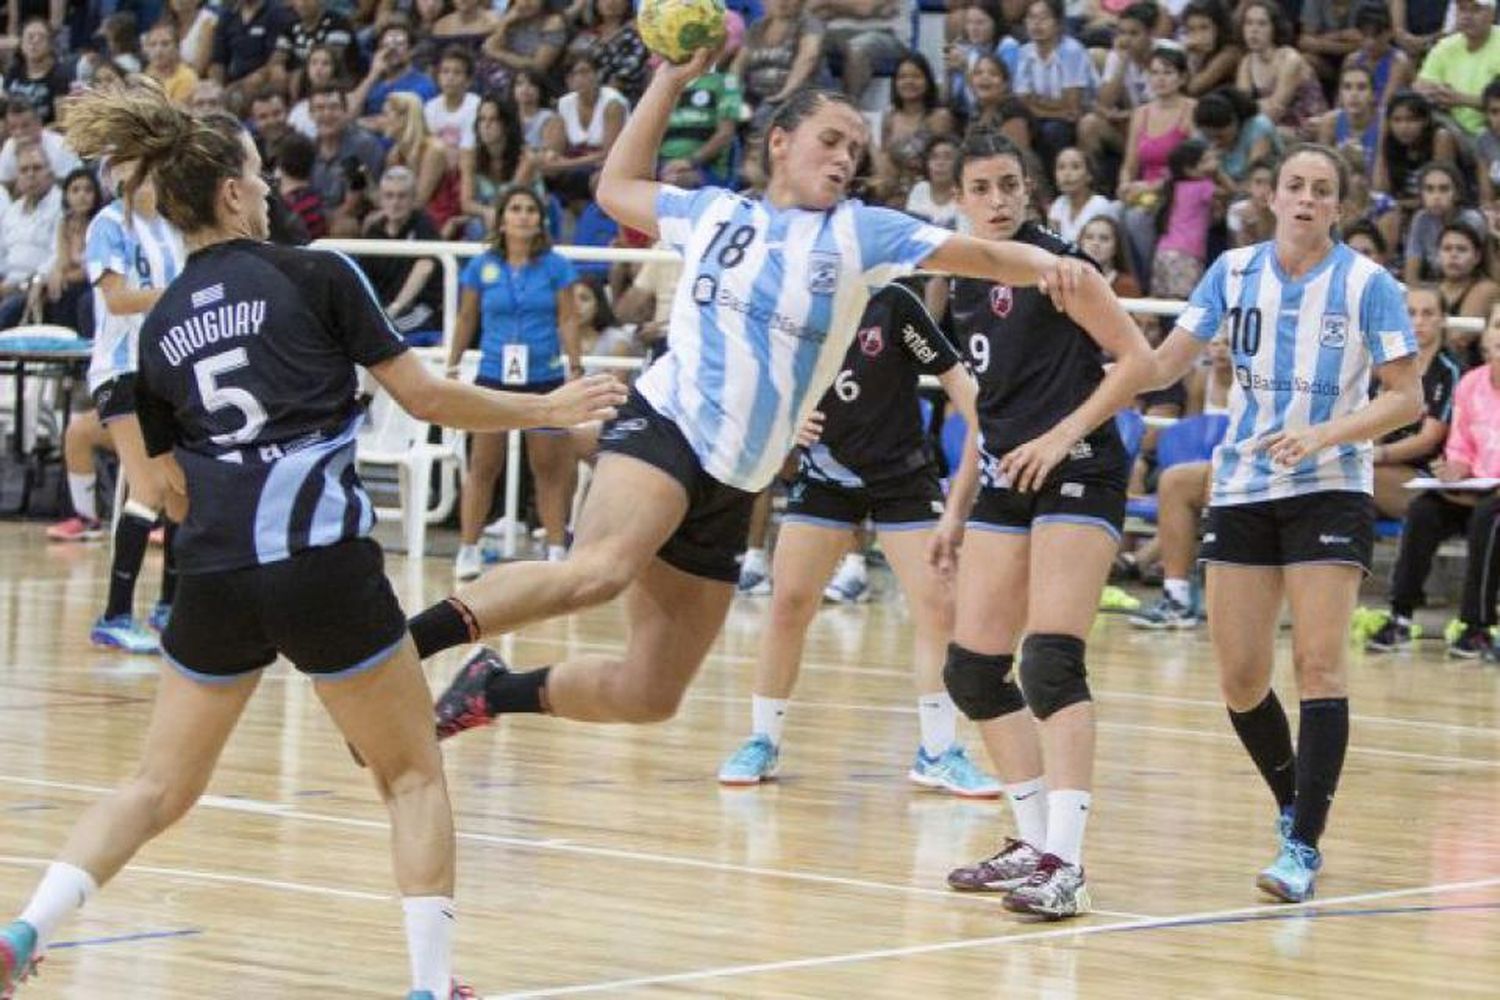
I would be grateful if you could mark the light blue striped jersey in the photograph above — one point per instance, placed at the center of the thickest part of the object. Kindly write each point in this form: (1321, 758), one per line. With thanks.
(768, 303)
(1302, 351)
(147, 253)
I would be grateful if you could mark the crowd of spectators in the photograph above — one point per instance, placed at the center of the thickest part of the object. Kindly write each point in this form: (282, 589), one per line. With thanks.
(1154, 127)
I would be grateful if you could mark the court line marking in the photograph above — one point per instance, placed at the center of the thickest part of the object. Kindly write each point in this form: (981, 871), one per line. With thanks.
(126, 938)
(1075, 931)
(275, 811)
(193, 875)
(1128, 726)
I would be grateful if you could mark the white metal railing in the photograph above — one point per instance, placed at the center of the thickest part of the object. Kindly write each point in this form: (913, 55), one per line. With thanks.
(447, 253)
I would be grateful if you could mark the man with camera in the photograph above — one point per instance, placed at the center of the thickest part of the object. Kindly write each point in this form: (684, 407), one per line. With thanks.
(349, 161)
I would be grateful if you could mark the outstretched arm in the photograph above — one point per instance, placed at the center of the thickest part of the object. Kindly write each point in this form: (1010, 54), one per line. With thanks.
(457, 404)
(627, 184)
(1009, 263)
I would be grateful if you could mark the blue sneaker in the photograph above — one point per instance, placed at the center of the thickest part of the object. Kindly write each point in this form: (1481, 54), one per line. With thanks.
(1290, 877)
(1284, 821)
(457, 991)
(848, 588)
(122, 632)
(953, 772)
(754, 582)
(17, 955)
(157, 622)
(755, 761)
(1165, 614)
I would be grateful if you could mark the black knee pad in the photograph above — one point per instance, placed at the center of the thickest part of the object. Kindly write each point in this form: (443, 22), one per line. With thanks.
(980, 684)
(1052, 673)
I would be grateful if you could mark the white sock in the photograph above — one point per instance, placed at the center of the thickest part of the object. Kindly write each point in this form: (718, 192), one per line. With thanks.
(556, 553)
(429, 942)
(853, 565)
(768, 717)
(1067, 815)
(755, 562)
(939, 718)
(1178, 590)
(468, 550)
(81, 492)
(64, 888)
(1028, 803)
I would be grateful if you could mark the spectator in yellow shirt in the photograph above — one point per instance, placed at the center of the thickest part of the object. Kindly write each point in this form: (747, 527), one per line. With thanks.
(164, 63)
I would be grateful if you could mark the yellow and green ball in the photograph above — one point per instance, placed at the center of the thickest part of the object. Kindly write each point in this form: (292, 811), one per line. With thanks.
(675, 29)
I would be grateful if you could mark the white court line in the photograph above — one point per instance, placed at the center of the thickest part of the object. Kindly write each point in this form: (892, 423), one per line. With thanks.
(1201, 734)
(1073, 931)
(201, 876)
(275, 811)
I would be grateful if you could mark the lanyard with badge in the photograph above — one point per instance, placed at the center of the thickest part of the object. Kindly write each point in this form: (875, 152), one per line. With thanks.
(514, 358)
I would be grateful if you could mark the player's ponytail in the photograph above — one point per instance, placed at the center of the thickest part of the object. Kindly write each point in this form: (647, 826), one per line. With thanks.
(184, 155)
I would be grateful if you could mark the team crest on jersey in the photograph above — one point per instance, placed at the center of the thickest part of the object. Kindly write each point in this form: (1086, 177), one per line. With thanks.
(871, 342)
(822, 272)
(1335, 331)
(704, 289)
(1002, 299)
(1242, 376)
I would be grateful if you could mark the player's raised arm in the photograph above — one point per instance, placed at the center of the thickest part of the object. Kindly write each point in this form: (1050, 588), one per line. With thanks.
(627, 183)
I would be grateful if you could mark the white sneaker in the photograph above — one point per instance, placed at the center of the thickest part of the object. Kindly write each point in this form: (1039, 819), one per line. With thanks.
(469, 563)
(503, 526)
(848, 586)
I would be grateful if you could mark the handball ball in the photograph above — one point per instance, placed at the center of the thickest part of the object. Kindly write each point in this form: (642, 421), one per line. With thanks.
(674, 29)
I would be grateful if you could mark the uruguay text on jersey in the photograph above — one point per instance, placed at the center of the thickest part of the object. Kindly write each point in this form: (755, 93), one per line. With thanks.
(237, 319)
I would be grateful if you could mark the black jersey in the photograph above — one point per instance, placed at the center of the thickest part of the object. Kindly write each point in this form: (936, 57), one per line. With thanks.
(1439, 383)
(247, 374)
(1034, 364)
(872, 429)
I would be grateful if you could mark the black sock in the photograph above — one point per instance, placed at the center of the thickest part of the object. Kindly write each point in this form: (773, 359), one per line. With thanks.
(1322, 738)
(1268, 737)
(510, 692)
(446, 624)
(169, 562)
(131, 537)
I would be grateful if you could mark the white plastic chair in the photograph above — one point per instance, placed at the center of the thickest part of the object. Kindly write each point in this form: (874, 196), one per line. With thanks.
(393, 437)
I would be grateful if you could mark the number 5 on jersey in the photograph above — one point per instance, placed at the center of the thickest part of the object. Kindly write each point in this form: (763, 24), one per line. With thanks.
(226, 397)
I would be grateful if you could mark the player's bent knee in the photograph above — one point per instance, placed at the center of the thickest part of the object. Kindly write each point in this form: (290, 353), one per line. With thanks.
(980, 684)
(1053, 673)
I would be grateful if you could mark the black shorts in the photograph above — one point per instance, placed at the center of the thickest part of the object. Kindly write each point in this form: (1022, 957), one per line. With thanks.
(116, 398)
(1327, 527)
(1087, 488)
(330, 610)
(904, 504)
(711, 537)
(530, 388)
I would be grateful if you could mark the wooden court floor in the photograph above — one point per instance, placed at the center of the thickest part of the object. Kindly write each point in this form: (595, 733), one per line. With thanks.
(607, 861)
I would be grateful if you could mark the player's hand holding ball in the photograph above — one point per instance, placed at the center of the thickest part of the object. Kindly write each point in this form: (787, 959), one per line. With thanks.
(680, 30)
(592, 397)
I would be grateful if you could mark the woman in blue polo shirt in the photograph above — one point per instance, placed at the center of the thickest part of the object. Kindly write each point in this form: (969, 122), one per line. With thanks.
(518, 296)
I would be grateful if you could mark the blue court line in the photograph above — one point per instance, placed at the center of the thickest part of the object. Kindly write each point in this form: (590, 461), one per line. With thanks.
(126, 938)
(1308, 914)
